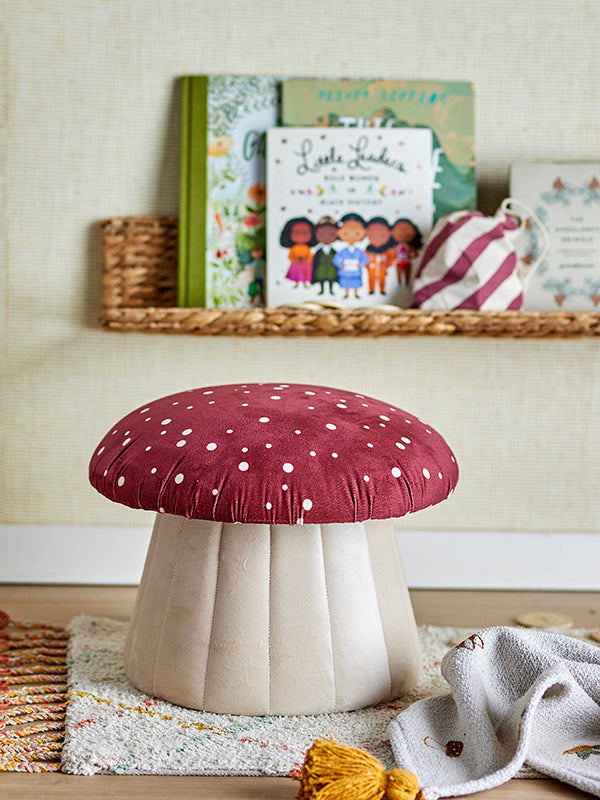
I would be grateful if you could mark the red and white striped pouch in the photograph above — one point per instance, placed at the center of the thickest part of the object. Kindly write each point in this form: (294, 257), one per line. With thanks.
(469, 261)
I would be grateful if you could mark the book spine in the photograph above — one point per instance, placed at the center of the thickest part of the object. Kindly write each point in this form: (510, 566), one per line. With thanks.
(191, 284)
(182, 233)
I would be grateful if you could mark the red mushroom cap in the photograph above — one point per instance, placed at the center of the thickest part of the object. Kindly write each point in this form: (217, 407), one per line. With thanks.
(275, 454)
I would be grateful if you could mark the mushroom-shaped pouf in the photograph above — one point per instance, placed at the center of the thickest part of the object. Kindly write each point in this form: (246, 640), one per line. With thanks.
(272, 583)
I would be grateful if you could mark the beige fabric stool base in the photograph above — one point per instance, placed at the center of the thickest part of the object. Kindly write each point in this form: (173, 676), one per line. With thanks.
(272, 619)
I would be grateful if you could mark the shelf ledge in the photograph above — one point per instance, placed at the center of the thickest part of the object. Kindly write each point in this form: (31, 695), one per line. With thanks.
(365, 323)
(139, 281)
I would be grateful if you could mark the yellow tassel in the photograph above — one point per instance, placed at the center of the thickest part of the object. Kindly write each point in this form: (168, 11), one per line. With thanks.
(334, 771)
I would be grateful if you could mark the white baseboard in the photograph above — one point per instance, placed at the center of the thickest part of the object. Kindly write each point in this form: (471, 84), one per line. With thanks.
(432, 559)
(72, 554)
(501, 560)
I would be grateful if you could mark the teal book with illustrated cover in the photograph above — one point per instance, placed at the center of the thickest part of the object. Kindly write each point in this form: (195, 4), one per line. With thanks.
(221, 248)
(349, 210)
(445, 107)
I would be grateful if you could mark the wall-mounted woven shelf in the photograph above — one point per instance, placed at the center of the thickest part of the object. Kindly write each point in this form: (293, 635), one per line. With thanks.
(139, 294)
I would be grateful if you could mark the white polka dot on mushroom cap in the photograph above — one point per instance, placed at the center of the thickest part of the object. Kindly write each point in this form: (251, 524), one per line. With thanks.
(287, 467)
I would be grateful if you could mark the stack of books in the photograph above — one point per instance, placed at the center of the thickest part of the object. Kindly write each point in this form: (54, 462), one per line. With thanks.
(304, 190)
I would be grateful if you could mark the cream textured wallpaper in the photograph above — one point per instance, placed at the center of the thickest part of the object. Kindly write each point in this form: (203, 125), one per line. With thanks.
(91, 130)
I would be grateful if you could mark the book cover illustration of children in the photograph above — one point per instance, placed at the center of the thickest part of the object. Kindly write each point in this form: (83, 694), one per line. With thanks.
(380, 253)
(351, 259)
(324, 270)
(337, 197)
(407, 242)
(299, 235)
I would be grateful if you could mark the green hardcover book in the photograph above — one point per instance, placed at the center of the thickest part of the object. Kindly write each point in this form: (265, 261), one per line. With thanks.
(224, 119)
(446, 107)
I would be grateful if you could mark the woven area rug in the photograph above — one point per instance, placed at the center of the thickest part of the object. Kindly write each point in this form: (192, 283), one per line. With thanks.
(33, 695)
(113, 728)
(76, 711)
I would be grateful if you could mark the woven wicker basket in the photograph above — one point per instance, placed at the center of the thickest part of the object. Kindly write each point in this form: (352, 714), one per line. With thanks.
(139, 294)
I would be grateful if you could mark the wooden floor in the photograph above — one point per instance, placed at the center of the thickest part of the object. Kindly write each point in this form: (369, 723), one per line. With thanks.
(465, 609)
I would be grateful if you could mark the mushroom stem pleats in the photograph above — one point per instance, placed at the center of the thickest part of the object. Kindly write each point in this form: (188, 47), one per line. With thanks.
(273, 619)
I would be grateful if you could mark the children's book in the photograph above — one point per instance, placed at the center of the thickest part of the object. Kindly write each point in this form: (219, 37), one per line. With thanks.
(566, 200)
(348, 212)
(445, 107)
(224, 119)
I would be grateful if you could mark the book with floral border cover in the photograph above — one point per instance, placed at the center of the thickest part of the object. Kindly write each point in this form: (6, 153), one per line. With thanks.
(221, 243)
(349, 210)
(445, 107)
(565, 197)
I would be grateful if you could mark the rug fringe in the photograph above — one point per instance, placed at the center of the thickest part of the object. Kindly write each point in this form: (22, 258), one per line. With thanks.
(33, 695)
